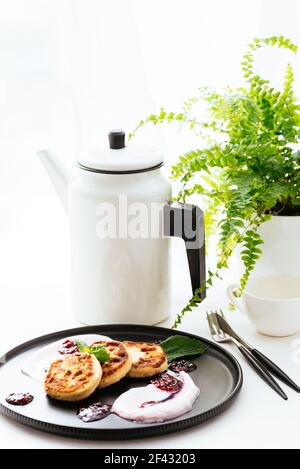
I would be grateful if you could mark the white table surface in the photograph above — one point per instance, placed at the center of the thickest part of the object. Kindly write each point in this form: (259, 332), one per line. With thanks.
(34, 300)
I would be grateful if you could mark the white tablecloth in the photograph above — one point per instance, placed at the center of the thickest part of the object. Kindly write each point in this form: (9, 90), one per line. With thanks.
(34, 300)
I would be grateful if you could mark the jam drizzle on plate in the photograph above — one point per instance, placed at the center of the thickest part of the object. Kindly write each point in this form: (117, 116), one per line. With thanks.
(68, 347)
(165, 382)
(152, 403)
(94, 412)
(20, 399)
(183, 365)
(168, 382)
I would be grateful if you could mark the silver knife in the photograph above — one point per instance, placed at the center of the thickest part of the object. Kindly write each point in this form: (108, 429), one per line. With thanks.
(271, 366)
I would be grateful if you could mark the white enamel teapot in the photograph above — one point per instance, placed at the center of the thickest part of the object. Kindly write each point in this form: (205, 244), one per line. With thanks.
(121, 223)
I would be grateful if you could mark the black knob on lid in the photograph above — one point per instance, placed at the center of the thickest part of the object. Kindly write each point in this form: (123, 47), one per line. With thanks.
(116, 139)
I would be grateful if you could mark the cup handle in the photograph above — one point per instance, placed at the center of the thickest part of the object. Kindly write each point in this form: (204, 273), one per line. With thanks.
(234, 299)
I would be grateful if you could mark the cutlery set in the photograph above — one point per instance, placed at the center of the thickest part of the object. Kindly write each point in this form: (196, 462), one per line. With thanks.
(222, 332)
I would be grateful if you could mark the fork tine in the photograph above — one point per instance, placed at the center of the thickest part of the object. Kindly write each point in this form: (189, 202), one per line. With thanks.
(222, 335)
(210, 324)
(220, 312)
(216, 326)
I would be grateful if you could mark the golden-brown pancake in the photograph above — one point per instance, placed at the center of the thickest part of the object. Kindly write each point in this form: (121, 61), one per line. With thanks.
(73, 378)
(147, 359)
(119, 364)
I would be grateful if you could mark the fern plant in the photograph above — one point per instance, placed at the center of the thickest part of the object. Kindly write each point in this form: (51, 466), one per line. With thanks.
(248, 170)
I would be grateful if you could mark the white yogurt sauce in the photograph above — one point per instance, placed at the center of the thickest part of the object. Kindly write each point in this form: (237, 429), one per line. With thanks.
(167, 405)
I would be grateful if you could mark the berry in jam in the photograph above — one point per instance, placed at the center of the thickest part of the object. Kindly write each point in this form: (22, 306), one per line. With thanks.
(94, 412)
(167, 382)
(68, 347)
(183, 365)
(19, 399)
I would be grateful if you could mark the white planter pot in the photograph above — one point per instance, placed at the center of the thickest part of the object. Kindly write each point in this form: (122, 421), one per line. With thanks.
(281, 249)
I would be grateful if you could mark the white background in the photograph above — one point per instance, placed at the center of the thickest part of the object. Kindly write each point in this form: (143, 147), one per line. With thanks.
(72, 69)
(69, 71)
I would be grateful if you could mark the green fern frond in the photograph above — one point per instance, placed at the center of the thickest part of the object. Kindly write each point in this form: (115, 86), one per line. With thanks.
(250, 254)
(249, 169)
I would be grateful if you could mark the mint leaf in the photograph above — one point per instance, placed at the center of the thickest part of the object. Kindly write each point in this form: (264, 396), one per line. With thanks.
(179, 346)
(100, 353)
(82, 346)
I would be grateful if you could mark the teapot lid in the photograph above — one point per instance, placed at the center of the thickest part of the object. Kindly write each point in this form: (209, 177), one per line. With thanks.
(117, 158)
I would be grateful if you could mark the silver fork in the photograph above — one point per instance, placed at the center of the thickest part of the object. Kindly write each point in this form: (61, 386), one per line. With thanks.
(220, 336)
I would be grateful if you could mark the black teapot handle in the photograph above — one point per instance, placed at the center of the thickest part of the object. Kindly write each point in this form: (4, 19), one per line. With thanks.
(187, 222)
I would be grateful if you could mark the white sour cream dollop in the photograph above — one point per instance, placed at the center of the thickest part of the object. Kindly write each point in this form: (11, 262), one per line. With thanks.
(166, 405)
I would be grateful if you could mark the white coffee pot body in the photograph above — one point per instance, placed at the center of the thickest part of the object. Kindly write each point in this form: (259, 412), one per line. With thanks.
(116, 277)
(120, 256)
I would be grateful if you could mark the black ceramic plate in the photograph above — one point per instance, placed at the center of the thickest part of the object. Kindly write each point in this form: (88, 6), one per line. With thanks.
(218, 375)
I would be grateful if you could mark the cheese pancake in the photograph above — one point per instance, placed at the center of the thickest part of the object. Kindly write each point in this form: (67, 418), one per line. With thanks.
(119, 364)
(147, 359)
(73, 378)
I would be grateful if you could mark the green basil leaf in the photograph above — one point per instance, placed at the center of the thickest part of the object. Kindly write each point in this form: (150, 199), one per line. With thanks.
(82, 346)
(179, 346)
(100, 353)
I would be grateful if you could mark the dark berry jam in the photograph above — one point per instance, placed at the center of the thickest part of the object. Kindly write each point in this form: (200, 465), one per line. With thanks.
(183, 365)
(167, 382)
(94, 412)
(149, 404)
(152, 403)
(19, 399)
(68, 347)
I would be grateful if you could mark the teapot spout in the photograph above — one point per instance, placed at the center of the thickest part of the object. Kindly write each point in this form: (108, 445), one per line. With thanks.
(59, 175)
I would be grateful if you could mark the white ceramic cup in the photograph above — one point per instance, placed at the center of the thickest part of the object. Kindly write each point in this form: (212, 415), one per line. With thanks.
(272, 304)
